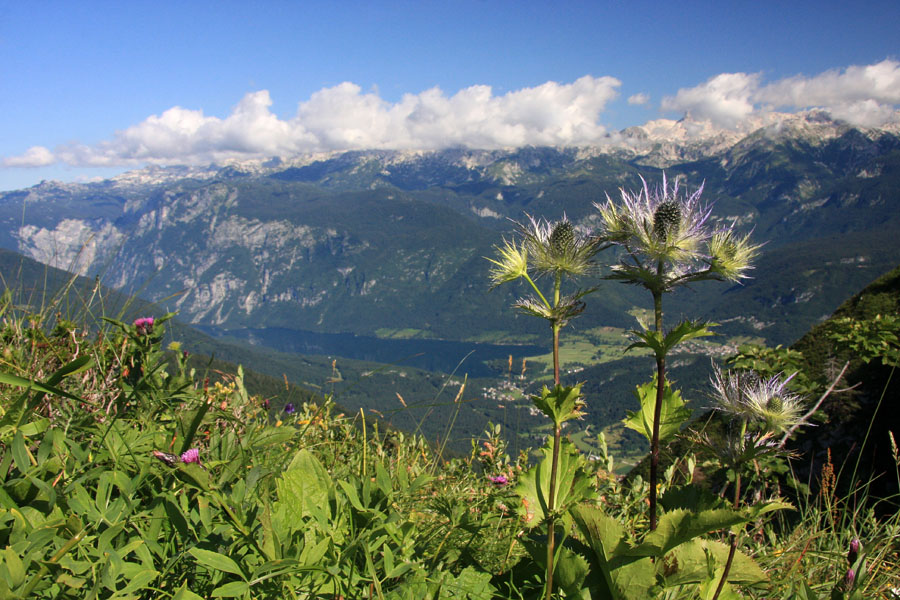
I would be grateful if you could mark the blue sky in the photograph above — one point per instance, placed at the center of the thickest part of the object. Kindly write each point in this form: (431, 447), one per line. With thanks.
(94, 88)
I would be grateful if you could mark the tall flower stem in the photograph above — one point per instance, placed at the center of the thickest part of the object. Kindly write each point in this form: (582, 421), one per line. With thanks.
(557, 249)
(557, 434)
(657, 410)
(734, 537)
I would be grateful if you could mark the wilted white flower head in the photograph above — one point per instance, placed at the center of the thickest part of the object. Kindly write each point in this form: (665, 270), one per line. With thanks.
(667, 240)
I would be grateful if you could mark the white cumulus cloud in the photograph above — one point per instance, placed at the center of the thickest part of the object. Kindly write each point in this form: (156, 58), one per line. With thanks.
(724, 99)
(36, 156)
(639, 99)
(345, 118)
(866, 95)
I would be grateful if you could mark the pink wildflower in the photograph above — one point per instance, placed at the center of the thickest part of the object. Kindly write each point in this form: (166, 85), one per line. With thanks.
(144, 325)
(191, 456)
(499, 480)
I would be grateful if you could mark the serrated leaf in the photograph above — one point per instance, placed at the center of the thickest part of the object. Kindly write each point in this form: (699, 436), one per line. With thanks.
(743, 568)
(570, 570)
(603, 533)
(633, 580)
(690, 497)
(560, 404)
(573, 484)
(687, 330)
(679, 526)
(672, 416)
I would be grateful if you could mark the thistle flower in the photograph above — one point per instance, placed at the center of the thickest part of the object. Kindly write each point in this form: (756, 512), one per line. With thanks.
(568, 307)
(547, 247)
(499, 480)
(667, 241)
(144, 325)
(853, 552)
(191, 456)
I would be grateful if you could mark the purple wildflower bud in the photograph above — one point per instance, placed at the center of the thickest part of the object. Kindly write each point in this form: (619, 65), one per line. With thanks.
(499, 480)
(853, 554)
(289, 408)
(849, 578)
(191, 456)
(144, 325)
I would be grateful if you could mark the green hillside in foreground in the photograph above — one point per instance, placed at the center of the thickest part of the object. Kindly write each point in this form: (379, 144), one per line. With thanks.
(126, 474)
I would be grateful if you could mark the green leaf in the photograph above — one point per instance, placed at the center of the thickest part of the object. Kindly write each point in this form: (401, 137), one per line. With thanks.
(570, 570)
(34, 385)
(232, 589)
(679, 526)
(573, 483)
(604, 533)
(214, 560)
(184, 593)
(687, 330)
(561, 404)
(662, 345)
(633, 580)
(14, 567)
(672, 416)
(743, 568)
(305, 485)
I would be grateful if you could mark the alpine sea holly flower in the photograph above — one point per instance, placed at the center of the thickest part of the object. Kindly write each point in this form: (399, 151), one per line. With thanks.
(667, 240)
(512, 265)
(754, 399)
(558, 247)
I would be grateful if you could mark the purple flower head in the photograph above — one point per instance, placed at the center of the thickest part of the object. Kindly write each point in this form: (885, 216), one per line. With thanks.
(144, 325)
(853, 554)
(191, 456)
(289, 408)
(499, 480)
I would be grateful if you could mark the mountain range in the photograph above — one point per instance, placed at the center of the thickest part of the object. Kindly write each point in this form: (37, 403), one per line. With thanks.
(391, 244)
(379, 242)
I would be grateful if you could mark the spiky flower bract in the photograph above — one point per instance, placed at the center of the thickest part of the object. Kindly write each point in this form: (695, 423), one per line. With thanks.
(764, 402)
(511, 265)
(667, 240)
(558, 247)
